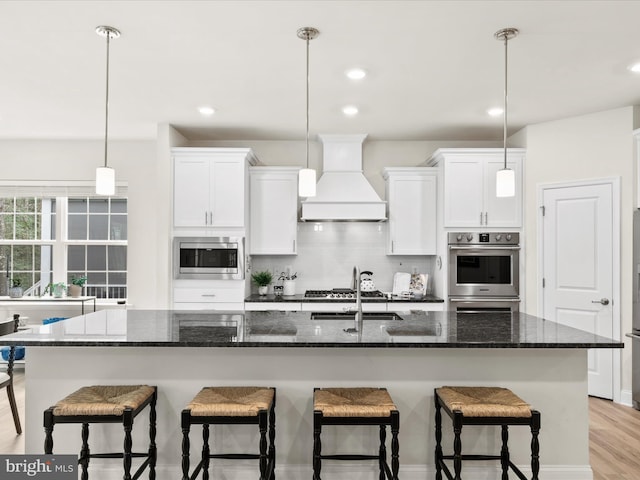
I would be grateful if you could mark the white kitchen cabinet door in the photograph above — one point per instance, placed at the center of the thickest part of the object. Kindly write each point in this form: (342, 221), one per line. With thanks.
(274, 210)
(226, 198)
(411, 195)
(502, 211)
(191, 192)
(463, 192)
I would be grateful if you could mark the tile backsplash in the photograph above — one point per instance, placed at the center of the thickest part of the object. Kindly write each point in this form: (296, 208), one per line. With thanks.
(328, 251)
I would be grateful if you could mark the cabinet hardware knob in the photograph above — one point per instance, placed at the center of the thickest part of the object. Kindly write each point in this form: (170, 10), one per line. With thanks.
(602, 301)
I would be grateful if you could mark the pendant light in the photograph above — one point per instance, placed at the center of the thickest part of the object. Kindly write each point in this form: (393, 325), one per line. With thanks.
(106, 176)
(505, 178)
(307, 176)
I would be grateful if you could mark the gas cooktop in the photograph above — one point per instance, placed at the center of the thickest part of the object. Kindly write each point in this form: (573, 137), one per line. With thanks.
(341, 294)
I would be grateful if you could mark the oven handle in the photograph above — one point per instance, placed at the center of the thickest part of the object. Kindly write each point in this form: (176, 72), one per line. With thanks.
(480, 300)
(483, 247)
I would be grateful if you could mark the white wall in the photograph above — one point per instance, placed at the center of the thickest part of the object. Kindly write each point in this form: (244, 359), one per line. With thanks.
(591, 146)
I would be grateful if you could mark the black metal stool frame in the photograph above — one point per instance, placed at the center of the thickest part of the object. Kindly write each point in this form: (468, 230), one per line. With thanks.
(459, 420)
(386, 472)
(265, 419)
(126, 419)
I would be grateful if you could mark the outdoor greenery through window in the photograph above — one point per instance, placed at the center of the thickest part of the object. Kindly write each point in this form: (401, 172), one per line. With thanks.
(92, 242)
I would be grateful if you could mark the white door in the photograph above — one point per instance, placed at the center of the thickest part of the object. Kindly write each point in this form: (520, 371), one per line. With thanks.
(577, 261)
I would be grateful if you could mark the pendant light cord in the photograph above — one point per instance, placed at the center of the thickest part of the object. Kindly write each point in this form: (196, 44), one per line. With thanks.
(106, 105)
(307, 102)
(504, 139)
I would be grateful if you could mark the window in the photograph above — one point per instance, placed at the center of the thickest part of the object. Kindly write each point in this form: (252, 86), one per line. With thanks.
(92, 242)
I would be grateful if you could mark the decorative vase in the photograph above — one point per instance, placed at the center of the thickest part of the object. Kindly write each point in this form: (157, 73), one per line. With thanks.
(289, 287)
(263, 289)
(75, 291)
(15, 292)
(58, 291)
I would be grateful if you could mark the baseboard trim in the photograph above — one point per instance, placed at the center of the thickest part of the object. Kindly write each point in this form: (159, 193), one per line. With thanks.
(626, 398)
(354, 471)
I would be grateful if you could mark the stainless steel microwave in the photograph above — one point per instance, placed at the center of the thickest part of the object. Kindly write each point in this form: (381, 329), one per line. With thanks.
(208, 258)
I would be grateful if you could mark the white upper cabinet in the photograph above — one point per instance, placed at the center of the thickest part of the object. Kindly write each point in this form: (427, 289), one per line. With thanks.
(411, 196)
(274, 210)
(210, 186)
(469, 189)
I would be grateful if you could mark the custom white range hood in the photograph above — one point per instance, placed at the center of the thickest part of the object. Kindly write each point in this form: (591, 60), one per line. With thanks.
(343, 193)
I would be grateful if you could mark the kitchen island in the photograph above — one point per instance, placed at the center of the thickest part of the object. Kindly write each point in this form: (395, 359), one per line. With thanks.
(544, 362)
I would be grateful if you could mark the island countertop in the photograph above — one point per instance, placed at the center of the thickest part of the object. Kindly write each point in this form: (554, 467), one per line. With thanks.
(172, 328)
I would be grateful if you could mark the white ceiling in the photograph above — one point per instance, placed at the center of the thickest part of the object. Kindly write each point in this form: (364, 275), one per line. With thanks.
(434, 67)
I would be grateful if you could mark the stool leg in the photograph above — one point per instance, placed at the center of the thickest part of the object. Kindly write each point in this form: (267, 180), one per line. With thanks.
(272, 437)
(535, 446)
(205, 451)
(457, 445)
(186, 425)
(153, 450)
(395, 446)
(504, 453)
(127, 421)
(382, 454)
(262, 426)
(84, 453)
(317, 444)
(48, 431)
(438, 454)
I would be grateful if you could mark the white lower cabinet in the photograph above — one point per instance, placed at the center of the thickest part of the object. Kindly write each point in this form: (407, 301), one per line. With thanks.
(341, 307)
(419, 306)
(279, 306)
(218, 295)
(274, 210)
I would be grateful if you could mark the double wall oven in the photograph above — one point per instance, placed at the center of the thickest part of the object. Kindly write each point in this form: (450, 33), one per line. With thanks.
(484, 272)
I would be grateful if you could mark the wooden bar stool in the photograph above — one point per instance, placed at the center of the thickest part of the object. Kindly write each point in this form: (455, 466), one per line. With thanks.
(231, 406)
(356, 406)
(106, 404)
(484, 406)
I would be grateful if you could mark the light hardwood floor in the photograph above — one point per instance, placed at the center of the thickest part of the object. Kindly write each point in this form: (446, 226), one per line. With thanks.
(614, 435)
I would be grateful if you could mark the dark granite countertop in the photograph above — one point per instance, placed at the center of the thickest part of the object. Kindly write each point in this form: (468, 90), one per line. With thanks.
(153, 328)
(301, 298)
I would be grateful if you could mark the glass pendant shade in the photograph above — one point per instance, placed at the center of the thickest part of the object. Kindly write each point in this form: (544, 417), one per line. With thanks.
(307, 182)
(105, 181)
(505, 183)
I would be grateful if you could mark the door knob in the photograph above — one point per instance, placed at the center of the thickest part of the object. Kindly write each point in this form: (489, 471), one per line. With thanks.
(603, 301)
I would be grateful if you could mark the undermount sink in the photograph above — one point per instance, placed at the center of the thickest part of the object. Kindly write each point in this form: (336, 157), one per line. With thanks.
(350, 316)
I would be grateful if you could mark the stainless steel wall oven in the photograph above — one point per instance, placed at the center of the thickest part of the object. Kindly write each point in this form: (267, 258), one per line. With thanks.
(208, 258)
(484, 271)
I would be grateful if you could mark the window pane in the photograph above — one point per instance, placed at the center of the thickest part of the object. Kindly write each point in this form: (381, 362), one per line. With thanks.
(119, 278)
(98, 227)
(77, 227)
(6, 204)
(98, 205)
(26, 205)
(77, 205)
(96, 278)
(117, 258)
(25, 227)
(75, 258)
(118, 205)
(6, 227)
(22, 258)
(118, 227)
(96, 257)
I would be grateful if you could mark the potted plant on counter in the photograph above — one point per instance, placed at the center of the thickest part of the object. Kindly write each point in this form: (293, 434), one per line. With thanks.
(263, 280)
(75, 289)
(16, 290)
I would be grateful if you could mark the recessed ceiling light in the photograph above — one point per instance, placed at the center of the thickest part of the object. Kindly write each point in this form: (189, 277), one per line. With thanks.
(206, 111)
(350, 110)
(495, 111)
(635, 68)
(356, 74)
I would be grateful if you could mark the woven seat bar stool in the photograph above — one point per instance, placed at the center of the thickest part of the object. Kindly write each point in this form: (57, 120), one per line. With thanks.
(356, 406)
(107, 404)
(231, 406)
(484, 406)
